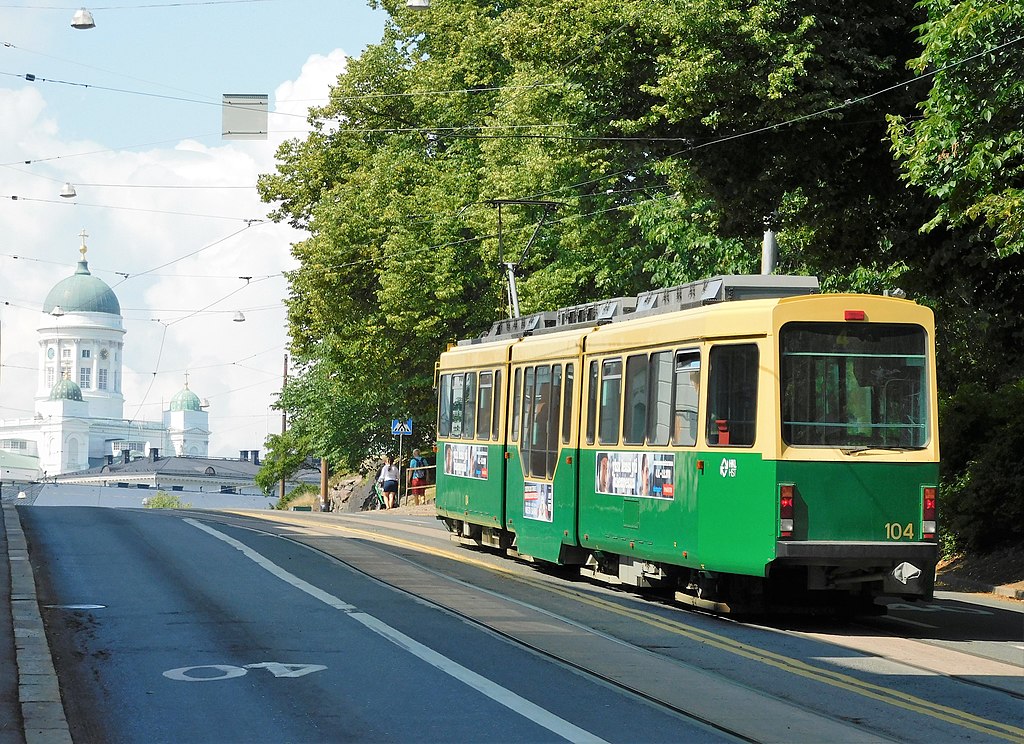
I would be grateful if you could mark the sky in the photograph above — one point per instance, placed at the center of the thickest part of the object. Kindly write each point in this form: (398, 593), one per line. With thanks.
(129, 113)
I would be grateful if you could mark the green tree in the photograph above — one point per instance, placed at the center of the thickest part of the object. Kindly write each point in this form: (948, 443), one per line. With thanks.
(666, 131)
(626, 113)
(966, 148)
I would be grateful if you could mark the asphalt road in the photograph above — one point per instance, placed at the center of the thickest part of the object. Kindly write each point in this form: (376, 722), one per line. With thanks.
(166, 629)
(208, 627)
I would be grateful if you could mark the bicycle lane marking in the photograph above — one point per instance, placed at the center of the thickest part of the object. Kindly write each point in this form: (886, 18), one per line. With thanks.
(496, 692)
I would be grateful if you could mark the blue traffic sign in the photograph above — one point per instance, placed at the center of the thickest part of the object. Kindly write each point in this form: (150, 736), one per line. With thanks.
(400, 428)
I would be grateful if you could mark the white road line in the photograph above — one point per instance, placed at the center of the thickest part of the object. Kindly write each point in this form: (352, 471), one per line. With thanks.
(894, 619)
(496, 692)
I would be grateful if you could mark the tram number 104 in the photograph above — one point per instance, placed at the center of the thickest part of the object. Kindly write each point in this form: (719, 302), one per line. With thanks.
(897, 531)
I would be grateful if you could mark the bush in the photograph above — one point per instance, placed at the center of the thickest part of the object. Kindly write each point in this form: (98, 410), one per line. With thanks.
(164, 500)
(981, 501)
(306, 493)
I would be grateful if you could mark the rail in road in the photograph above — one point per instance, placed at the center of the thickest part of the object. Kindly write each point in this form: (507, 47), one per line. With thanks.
(764, 683)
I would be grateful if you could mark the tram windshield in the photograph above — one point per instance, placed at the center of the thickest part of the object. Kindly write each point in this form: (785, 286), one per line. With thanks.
(854, 385)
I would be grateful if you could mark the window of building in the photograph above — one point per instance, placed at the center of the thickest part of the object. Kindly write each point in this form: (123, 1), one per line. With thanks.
(85, 378)
(51, 375)
(86, 353)
(65, 353)
(101, 379)
(732, 395)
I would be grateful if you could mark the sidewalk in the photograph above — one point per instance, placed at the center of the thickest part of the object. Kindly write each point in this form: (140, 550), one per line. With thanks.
(30, 703)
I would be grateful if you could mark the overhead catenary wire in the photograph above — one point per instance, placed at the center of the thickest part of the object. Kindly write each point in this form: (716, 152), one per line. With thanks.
(15, 197)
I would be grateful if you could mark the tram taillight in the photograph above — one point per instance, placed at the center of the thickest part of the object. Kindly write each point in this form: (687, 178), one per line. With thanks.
(855, 315)
(786, 509)
(928, 512)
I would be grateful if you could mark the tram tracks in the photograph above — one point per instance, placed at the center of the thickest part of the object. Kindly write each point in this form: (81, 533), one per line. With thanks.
(566, 640)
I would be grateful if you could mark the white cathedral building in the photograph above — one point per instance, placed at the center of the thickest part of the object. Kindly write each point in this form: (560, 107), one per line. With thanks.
(79, 405)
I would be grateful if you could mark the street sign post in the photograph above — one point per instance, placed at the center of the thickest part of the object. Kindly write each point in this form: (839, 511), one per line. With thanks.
(400, 429)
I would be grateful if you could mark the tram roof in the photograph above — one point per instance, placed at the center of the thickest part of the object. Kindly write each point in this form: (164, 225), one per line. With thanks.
(713, 291)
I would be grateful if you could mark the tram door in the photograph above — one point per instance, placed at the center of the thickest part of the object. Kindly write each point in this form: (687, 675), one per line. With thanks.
(541, 479)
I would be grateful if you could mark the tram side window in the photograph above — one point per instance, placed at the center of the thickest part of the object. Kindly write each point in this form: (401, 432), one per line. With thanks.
(611, 395)
(732, 395)
(496, 413)
(444, 406)
(469, 409)
(567, 405)
(458, 382)
(517, 387)
(551, 425)
(541, 419)
(686, 395)
(592, 403)
(527, 401)
(483, 408)
(659, 398)
(634, 412)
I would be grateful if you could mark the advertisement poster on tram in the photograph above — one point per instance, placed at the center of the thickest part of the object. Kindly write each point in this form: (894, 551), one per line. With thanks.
(645, 474)
(537, 501)
(466, 460)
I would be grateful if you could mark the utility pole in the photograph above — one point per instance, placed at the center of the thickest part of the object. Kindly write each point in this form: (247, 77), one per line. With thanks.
(323, 484)
(284, 415)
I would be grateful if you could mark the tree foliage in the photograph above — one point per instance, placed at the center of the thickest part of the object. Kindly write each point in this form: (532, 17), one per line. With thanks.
(967, 147)
(664, 132)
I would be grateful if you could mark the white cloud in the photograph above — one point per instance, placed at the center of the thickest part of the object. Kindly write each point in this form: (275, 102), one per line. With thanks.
(135, 227)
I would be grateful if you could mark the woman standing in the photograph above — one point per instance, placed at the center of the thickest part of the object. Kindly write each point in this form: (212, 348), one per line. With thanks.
(388, 480)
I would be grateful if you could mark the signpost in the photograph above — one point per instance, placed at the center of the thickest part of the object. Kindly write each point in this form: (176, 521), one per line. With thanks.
(401, 429)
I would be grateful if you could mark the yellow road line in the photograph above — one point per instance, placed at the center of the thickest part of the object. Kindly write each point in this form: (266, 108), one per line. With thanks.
(784, 663)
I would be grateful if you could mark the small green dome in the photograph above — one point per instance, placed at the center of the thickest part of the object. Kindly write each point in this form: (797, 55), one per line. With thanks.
(186, 400)
(66, 389)
(82, 293)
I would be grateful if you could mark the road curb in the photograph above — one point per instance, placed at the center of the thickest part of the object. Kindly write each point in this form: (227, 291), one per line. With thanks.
(42, 710)
(979, 587)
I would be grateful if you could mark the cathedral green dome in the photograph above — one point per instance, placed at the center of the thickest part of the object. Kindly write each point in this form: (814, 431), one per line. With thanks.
(186, 400)
(82, 293)
(66, 389)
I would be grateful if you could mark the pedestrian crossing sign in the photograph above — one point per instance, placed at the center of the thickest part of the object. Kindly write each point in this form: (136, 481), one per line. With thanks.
(401, 428)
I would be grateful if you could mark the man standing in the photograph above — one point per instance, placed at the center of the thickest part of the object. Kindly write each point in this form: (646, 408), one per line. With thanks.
(418, 483)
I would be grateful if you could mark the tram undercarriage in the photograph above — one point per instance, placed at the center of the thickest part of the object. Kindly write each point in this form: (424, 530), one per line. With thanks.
(808, 578)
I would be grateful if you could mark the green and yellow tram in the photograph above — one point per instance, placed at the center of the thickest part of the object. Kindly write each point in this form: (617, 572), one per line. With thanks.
(743, 441)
